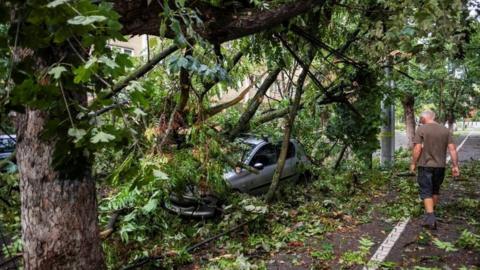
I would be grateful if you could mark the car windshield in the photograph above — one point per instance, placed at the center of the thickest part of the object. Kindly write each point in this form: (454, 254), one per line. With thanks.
(240, 151)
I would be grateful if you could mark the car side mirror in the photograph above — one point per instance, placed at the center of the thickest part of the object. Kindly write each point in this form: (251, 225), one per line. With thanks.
(258, 166)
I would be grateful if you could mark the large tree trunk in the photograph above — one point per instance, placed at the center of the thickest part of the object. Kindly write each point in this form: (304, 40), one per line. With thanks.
(408, 103)
(59, 215)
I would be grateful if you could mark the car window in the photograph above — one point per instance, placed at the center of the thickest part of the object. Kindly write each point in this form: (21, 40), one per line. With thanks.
(241, 151)
(267, 155)
(290, 152)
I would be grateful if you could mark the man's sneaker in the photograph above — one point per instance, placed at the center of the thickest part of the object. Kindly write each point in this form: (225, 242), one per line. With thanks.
(429, 221)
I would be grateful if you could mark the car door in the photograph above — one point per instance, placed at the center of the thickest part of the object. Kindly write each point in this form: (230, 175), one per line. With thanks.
(290, 168)
(267, 156)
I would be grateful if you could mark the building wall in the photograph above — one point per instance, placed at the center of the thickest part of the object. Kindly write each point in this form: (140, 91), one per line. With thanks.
(135, 46)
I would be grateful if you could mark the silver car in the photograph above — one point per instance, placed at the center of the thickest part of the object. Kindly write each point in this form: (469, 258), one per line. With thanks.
(257, 153)
(263, 156)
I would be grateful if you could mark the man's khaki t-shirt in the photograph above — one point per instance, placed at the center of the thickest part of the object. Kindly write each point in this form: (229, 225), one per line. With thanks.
(435, 139)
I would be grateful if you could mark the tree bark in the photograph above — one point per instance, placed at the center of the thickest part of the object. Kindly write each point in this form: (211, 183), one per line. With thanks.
(286, 136)
(254, 103)
(58, 215)
(408, 103)
(219, 24)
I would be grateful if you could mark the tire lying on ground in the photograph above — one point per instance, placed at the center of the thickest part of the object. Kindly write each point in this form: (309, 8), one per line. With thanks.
(192, 205)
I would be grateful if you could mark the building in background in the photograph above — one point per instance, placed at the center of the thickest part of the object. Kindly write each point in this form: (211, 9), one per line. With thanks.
(135, 46)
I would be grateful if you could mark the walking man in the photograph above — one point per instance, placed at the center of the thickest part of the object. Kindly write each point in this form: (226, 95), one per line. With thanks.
(431, 142)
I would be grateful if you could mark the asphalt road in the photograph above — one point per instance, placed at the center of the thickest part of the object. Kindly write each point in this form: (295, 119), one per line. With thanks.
(469, 150)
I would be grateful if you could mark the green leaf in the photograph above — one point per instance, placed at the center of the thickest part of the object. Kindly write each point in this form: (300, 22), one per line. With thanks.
(138, 112)
(215, 3)
(182, 63)
(109, 62)
(447, 246)
(175, 25)
(82, 74)
(180, 3)
(102, 137)
(150, 206)
(57, 3)
(77, 133)
(86, 20)
(57, 72)
(159, 175)
(90, 62)
(163, 28)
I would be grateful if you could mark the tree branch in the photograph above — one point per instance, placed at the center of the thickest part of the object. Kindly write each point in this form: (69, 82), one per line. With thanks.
(141, 71)
(220, 107)
(254, 103)
(288, 130)
(313, 78)
(208, 86)
(108, 108)
(340, 157)
(185, 86)
(219, 24)
(317, 42)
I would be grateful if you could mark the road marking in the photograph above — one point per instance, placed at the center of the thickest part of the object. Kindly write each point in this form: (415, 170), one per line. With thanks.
(387, 245)
(461, 144)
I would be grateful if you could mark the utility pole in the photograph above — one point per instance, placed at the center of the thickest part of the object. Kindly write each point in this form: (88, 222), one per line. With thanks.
(387, 135)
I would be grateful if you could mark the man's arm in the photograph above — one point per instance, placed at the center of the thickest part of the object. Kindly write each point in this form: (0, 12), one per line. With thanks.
(454, 158)
(416, 152)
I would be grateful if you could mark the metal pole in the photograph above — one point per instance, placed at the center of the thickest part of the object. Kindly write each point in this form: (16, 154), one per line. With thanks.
(387, 135)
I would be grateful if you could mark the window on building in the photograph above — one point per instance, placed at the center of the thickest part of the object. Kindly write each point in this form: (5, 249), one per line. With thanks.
(128, 51)
(119, 49)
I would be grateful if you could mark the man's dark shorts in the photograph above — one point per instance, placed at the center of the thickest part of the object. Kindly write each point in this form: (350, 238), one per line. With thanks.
(429, 180)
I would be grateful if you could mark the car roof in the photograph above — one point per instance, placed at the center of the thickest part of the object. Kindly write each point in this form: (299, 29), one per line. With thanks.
(3, 136)
(258, 140)
(252, 140)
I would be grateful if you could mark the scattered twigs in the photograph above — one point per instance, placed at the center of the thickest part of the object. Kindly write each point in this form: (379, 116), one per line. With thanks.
(208, 240)
(143, 261)
(340, 157)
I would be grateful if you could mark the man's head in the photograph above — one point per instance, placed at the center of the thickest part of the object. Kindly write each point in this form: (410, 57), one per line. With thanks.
(427, 117)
